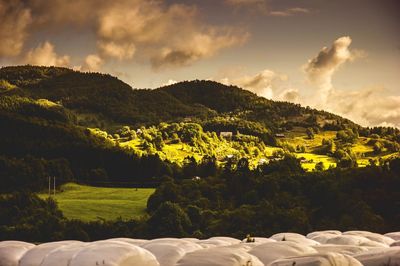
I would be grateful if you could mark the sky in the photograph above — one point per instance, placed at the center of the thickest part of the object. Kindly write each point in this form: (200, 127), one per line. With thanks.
(342, 56)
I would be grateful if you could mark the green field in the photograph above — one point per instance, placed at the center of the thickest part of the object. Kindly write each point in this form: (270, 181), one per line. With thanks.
(97, 203)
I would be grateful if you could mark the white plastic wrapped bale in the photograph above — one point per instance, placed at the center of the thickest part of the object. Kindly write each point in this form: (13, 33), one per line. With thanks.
(186, 245)
(230, 240)
(132, 241)
(354, 240)
(323, 232)
(113, 253)
(35, 256)
(323, 238)
(12, 251)
(63, 255)
(342, 249)
(395, 244)
(286, 235)
(393, 235)
(293, 237)
(269, 252)
(218, 242)
(169, 252)
(326, 259)
(219, 256)
(380, 257)
(372, 236)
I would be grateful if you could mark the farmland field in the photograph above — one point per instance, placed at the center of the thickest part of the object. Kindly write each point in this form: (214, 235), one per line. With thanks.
(98, 203)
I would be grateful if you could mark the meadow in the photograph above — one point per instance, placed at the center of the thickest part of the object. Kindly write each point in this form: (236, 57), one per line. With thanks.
(100, 203)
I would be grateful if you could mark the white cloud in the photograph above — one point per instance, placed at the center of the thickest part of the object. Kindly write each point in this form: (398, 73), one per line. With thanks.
(120, 51)
(321, 68)
(44, 55)
(369, 106)
(264, 83)
(93, 63)
(168, 35)
(290, 12)
(169, 82)
(14, 21)
(164, 34)
(198, 46)
(263, 7)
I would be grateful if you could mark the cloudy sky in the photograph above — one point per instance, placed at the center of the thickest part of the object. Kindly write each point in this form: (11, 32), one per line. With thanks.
(342, 56)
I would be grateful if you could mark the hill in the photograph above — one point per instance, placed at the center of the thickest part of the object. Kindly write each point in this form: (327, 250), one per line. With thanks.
(94, 126)
(217, 155)
(108, 98)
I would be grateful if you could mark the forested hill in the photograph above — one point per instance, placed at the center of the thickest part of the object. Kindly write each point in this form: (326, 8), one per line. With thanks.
(107, 100)
(60, 122)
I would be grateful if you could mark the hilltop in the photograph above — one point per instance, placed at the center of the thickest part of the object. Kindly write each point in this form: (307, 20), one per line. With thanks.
(111, 99)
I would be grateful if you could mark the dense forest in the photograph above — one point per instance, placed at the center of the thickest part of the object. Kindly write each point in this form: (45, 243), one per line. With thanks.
(224, 161)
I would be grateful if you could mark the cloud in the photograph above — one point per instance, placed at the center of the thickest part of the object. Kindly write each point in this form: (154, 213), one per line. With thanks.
(93, 63)
(167, 35)
(369, 107)
(161, 33)
(290, 12)
(261, 6)
(15, 19)
(264, 83)
(197, 46)
(321, 68)
(169, 82)
(44, 55)
(120, 51)
(289, 95)
(254, 5)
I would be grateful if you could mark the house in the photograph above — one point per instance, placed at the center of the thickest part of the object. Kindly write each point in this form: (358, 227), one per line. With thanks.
(280, 135)
(226, 134)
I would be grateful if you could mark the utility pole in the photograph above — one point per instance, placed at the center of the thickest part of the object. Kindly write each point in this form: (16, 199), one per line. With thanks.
(49, 186)
(54, 188)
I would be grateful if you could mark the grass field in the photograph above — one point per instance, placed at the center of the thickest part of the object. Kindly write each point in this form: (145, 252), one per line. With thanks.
(93, 203)
(313, 159)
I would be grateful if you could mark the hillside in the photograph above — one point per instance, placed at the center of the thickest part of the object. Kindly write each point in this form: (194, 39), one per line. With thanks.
(216, 156)
(108, 98)
(94, 126)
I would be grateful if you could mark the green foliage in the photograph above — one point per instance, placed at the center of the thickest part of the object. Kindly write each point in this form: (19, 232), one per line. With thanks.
(347, 136)
(169, 220)
(6, 86)
(310, 133)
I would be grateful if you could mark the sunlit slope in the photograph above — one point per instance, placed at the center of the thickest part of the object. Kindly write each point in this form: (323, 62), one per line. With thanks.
(93, 203)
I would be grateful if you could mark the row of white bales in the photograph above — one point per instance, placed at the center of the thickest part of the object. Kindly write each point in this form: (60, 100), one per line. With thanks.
(291, 249)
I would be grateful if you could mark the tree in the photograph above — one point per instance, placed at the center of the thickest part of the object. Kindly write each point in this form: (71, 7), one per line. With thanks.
(169, 220)
(310, 133)
(378, 147)
(159, 142)
(319, 166)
